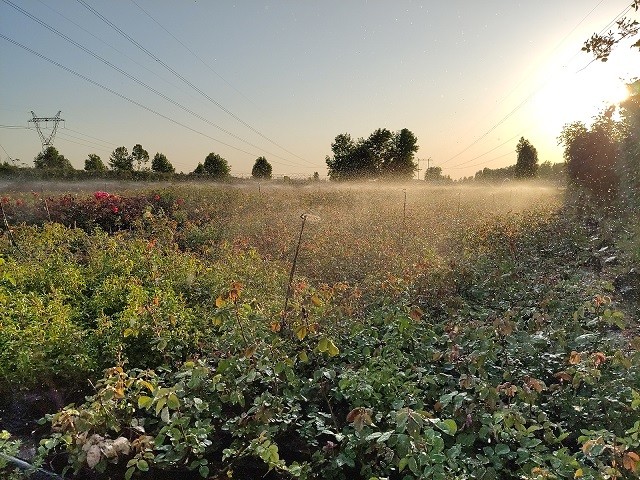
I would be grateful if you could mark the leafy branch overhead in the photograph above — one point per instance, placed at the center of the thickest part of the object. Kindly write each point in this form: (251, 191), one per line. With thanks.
(601, 45)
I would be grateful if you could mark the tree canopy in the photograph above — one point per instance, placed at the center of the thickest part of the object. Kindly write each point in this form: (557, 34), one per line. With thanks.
(94, 163)
(527, 162)
(590, 154)
(215, 166)
(383, 154)
(261, 169)
(601, 45)
(51, 158)
(140, 156)
(161, 164)
(120, 160)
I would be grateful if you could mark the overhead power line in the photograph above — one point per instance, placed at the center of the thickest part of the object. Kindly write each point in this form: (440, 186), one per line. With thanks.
(194, 53)
(120, 52)
(120, 95)
(143, 84)
(185, 80)
(534, 92)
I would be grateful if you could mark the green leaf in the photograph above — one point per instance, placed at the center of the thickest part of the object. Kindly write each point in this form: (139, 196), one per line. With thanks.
(173, 402)
(164, 415)
(332, 350)
(144, 401)
(502, 449)
(448, 426)
(161, 403)
(203, 471)
(142, 465)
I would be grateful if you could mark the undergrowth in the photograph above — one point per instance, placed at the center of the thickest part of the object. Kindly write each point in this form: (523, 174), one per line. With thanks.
(475, 344)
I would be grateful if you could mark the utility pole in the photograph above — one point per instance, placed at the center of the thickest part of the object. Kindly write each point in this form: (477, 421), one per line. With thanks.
(46, 141)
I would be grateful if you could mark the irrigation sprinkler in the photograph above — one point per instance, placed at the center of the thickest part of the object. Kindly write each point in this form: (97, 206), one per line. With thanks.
(304, 217)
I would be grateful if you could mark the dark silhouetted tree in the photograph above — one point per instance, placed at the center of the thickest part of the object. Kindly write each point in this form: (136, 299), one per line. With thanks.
(94, 164)
(261, 169)
(161, 164)
(382, 155)
(120, 160)
(50, 158)
(402, 165)
(140, 156)
(216, 166)
(527, 162)
(199, 170)
(590, 155)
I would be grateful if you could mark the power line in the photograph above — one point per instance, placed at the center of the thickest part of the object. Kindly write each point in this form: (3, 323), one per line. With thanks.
(140, 82)
(458, 165)
(185, 80)
(532, 94)
(194, 53)
(124, 97)
(114, 48)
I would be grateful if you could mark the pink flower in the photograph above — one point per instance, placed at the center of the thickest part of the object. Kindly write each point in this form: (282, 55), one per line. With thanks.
(156, 198)
(114, 209)
(101, 195)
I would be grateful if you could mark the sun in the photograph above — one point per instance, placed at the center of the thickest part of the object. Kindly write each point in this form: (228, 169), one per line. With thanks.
(580, 96)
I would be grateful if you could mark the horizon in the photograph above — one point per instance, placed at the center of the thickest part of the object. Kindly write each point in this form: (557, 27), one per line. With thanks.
(281, 80)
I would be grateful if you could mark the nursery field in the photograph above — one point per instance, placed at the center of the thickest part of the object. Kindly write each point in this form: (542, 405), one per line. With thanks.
(317, 332)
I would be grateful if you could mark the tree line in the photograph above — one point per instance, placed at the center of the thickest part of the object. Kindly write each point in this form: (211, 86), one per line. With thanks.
(121, 161)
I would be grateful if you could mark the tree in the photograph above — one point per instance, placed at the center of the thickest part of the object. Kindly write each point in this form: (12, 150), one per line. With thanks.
(382, 155)
(601, 46)
(261, 169)
(590, 154)
(120, 160)
(50, 158)
(316, 177)
(216, 166)
(402, 166)
(161, 164)
(199, 170)
(140, 156)
(94, 164)
(527, 163)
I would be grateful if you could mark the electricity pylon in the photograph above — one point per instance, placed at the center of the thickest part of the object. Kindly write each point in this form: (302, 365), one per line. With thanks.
(46, 141)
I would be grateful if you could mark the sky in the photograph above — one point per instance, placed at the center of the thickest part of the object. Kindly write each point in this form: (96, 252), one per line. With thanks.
(281, 79)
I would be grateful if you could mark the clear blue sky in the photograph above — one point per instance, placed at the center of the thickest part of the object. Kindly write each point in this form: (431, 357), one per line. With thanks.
(281, 79)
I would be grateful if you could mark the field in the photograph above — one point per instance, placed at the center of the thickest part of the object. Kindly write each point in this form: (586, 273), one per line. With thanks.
(318, 331)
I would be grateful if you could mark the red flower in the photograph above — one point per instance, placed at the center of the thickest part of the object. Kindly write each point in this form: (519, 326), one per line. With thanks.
(156, 198)
(114, 209)
(101, 195)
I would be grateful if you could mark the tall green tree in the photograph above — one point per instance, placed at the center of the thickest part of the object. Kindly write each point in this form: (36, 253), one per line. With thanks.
(383, 154)
(140, 156)
(402, 165)
(527, 162)
(51, 158)
(261, 169)
(120, 160)
(216, 166)
(590, 155)
(161, 164)
(93, 163)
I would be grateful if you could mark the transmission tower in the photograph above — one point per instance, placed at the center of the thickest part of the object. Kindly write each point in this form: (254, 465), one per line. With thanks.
(46, 141)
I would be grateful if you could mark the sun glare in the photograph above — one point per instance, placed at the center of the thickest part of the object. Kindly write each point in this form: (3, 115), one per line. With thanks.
(576, 97)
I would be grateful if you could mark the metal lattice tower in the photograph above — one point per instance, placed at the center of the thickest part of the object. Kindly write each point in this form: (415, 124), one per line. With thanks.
(46, 141)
